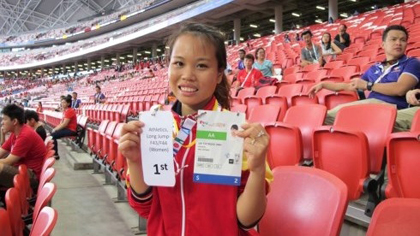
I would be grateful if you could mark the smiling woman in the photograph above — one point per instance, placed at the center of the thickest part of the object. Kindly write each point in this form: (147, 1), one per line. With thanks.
(197, 59)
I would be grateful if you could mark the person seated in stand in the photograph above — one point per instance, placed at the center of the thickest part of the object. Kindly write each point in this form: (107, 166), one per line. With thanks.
(311, 53)
(75, 103)
(388, 81)
(68, 124)
(32, 119)
(99, 96)
(24, 146)
(39, 108)
(197, 59)
(241, 65)
(342, 39)
(263, 65)
(328, 47)
(249, 77)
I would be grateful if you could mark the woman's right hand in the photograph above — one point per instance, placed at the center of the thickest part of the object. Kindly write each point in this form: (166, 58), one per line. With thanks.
(129, 142)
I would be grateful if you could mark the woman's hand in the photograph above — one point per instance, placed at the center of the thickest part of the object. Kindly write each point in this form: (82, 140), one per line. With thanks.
(129, 142)
(255, 145)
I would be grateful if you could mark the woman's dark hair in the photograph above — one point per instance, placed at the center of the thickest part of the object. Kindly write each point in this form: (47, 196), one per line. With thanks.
(394, 27)
(328, 45)
(214, 37)
(256, 52)
(97, 86)
(14, 111)
(29, 114)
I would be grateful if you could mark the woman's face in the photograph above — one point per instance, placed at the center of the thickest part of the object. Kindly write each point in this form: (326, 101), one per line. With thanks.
(261, 54)
(193, 71)
(326, 38)
(64, 104)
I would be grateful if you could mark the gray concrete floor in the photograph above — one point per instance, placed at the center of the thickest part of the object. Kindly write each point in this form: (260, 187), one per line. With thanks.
(86, 206)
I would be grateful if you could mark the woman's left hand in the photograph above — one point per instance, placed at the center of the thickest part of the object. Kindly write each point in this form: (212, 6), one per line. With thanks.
(255, 145)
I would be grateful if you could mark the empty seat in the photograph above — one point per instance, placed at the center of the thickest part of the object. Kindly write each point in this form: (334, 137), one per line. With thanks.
(304, 201)
(403, 152)
(264, 114)
(14, 211)
(5, 229)
(343, 153)
(396, 216)
(45, 222)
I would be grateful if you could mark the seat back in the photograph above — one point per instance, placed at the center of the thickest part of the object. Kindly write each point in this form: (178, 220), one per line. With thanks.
(285, 147)
(415, 124)
(46, 177)
(44, 197)
(45, 222)
(297, 116)
(280, 102)
(266, 91)
(304, 200)
(376, 121)
(344, 154)
(26, 186)
(14, 211)
(396, 216)
(403, 156)
(5, 229)
(19, 184)
(239, 108)
(246, 92)
(264, 114)
(290, 90)
(334, 99)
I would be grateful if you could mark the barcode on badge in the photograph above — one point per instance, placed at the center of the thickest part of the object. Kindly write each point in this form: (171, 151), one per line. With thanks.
(203, 159)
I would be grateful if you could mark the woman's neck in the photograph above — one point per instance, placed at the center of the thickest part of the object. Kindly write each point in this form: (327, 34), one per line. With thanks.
(260, 60)
(189, 110)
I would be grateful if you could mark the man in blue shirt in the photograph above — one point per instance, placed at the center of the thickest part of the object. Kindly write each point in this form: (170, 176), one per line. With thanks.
(241, 65)
(388, 81)
(75, 103)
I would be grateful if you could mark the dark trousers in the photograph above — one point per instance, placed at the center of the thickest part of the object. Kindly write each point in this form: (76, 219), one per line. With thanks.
(59, 134)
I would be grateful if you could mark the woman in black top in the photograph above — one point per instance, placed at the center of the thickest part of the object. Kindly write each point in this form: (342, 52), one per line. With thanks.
(32, 120)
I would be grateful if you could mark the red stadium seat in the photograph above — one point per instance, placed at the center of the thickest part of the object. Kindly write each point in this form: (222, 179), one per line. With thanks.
(5, 229)
(343, 153)
(332, 99)
(246, 92)
(264, 114)
(280, 102)
(403, 161)
(333, 65)
(415, 124)
(14, 211)
(266, 91)
(396, 216)
(359, 118)
(44, 197)
(239, 108)
(290, 90)
(293, 190)
(45, 223)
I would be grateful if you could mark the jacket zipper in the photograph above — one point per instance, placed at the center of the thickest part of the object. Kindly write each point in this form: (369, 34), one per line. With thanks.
(182, 189)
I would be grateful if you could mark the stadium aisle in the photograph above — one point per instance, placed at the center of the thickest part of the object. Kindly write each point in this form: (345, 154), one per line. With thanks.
(85, 206)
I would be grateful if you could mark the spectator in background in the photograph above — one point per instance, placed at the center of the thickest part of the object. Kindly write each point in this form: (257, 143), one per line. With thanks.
(265, 66)
(68, 124)
(241, 65)
(249, 77)
(286, 38)
(99, 96)
(329, 48)
(39, 108)
(32, 119)
(23, 146)
(388, 82)
(311, 53)
(342, 39)
(75, 103)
